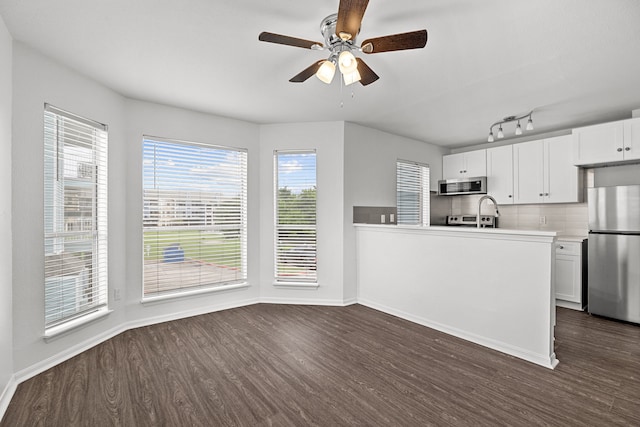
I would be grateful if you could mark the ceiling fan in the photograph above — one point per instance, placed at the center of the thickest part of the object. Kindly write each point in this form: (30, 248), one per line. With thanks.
(339, 31)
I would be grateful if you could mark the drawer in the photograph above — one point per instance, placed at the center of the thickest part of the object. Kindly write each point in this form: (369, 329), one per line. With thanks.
(568, 248)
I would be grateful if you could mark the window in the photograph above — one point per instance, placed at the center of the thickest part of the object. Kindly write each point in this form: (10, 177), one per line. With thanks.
(75, 217)
(412, 192)
(295, 216)
(194, 217)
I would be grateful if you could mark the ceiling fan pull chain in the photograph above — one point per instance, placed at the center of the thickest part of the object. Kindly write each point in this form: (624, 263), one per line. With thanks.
(341, 98)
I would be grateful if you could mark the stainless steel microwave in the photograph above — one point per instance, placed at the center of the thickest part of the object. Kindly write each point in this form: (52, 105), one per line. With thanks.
(459, 186)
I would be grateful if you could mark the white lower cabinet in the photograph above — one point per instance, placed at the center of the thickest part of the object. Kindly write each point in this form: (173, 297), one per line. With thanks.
(570, 292)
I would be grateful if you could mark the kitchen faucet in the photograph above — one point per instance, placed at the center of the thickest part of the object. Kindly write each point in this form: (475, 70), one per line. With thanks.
(482, 199)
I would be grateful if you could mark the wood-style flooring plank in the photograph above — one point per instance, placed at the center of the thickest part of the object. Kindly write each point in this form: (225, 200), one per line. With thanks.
(284, 365)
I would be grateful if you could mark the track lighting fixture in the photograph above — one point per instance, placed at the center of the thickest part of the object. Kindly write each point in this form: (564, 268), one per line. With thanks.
(509, 119)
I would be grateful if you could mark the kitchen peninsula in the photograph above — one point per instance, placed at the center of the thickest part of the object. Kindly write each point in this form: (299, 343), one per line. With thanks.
(494, 287)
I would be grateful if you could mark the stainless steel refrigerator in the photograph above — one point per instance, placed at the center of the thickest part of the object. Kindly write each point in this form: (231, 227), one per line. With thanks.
(614, 252)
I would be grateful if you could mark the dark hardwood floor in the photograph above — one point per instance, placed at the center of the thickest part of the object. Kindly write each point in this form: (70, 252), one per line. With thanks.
(331, 366)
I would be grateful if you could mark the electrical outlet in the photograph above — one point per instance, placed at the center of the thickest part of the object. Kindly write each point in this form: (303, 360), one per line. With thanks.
(392, 218)
(382, 219)
(116, 294)
(543, 220)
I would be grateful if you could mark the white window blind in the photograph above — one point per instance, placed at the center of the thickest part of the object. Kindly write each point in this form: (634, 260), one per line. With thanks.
(75, 216)
(295, 216)
(412, 192)
(194, 216)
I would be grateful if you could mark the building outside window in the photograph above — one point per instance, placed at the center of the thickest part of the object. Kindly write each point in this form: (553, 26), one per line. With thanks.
(75, 218)
(194, 217)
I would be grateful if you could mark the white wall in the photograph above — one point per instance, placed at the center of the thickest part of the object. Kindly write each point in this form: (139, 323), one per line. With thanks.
(145, 118)
(328, 140)
(370, 179)
(6, 328)
(38, 80)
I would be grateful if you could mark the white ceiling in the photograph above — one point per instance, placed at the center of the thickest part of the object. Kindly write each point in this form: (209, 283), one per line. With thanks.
(574, 62)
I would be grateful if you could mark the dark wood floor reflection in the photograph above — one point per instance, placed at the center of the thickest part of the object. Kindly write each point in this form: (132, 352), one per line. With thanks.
(331, 366)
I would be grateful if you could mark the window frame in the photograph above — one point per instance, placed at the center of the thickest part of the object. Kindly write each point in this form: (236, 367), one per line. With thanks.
(214, 286)
(422, 189)
(281, 278)
(71, 140)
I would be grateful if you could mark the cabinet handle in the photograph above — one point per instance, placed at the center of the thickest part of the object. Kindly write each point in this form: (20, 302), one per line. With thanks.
(619, 150)
(541, 194)
(510, 196)
(546, 194)
(461, 171)
(561, 247)
(627, 148)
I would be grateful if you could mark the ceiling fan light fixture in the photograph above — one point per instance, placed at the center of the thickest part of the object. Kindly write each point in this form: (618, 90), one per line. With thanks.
(352, 77)
(347, 62)
(326, 72)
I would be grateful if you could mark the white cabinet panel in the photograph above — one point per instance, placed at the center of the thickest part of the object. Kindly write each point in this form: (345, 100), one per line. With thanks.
(568, 275)
(528, 172)
(464, 165)
(632, 139)
(500, 174)
(607, 143)
(562, 177)
(543, 172)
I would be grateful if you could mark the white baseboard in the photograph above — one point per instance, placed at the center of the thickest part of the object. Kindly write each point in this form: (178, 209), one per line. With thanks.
(7, 394)
(548, 361)
(54, 360)
(306, 301)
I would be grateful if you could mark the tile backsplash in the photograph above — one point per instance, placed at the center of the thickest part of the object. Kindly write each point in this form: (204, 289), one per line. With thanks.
(566, 218)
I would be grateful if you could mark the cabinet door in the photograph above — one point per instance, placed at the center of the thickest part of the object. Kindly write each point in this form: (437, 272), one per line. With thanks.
(598, 144)
(568, 278)
(528, 168)
(453, 166)
(500, 174)
(562, 183)
(476, 163)
(632, 139)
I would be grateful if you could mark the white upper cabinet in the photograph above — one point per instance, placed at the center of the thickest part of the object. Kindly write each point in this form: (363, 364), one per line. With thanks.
(544, 172)
(500, 174)
(528, 172)
(607, 143)
(464, 165)
(563, 178)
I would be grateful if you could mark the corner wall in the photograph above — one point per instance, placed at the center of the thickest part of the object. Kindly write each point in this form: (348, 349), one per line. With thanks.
(370, 179)
(327, 138)
(145, 118)
(6, 309)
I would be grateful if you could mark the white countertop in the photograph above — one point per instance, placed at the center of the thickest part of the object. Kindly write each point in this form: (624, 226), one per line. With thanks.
(467, 231)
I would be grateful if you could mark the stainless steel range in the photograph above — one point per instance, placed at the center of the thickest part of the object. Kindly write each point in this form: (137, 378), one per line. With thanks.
(486, 221)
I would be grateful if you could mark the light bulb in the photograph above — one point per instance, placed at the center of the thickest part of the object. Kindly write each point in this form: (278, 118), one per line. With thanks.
(490, 139)
(529, 124)
(518, 129)
(347, 62)
(500, 133)
(352, 77)
(326, 72)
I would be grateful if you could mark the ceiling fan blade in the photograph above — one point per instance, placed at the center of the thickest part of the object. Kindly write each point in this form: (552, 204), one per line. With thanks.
(350, 13)
(412, 40)
(289, 41)
(306, 73)
(367, 76)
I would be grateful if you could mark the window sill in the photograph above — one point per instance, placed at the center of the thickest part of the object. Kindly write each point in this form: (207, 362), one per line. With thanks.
(66, 327)
(306, 285)
(183, 294)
